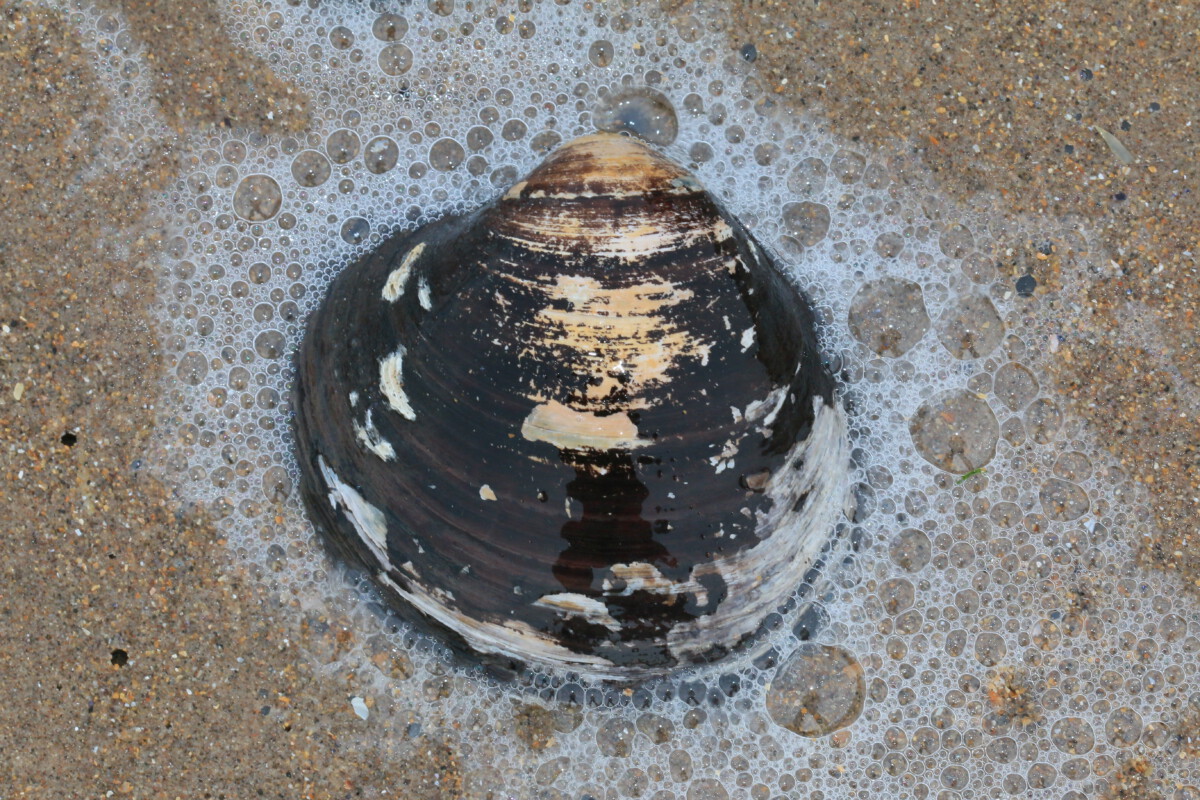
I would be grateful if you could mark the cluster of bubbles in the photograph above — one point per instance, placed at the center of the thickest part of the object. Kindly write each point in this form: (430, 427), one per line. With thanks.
(982, 630)
(133, 130)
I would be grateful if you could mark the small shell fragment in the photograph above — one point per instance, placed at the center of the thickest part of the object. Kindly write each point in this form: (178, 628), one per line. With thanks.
(1119, 150)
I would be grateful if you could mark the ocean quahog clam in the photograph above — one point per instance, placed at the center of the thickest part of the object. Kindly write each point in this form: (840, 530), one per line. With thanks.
(584, 427)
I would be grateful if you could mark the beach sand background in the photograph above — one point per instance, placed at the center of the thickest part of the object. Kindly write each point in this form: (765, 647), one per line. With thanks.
(138, 662)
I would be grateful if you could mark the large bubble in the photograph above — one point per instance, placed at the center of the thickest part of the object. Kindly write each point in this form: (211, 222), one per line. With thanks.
(955, 431)
(645, 113)
(889, 316)
(817, 691)
(257, 198)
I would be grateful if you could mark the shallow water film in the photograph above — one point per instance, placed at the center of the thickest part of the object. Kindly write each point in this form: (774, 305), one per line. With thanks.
(978, 626)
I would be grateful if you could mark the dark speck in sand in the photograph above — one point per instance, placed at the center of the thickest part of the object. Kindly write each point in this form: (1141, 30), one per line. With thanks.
(750, 53)
(1025, 285)
(69, 439)
(120, 657)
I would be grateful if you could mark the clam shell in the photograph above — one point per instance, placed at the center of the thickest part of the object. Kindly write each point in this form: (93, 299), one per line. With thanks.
(583, 427)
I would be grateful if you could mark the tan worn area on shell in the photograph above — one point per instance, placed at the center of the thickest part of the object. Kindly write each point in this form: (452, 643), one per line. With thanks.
(602, 164)
(566, 428)
(612, 167)
(619, 334)
(630, 237)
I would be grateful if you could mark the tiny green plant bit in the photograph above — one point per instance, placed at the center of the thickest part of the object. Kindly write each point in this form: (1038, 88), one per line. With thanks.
(971, 474)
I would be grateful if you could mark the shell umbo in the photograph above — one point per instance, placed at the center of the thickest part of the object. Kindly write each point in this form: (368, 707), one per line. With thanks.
(585, 426)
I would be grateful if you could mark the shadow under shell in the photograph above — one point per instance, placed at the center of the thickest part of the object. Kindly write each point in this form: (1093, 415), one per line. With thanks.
(585, 427)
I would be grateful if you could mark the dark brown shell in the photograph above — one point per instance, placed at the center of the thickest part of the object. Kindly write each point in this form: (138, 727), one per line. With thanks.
(584, 426)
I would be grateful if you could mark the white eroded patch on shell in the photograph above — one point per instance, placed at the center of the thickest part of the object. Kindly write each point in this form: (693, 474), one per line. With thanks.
(721, 232)
(368, 521)
(767, 409)
(747, 339)
(628, 242)
(638, 576)
(391, 383)
(758, 578)
(578, 606)
(725, 459)
(394, 288)
(370, 437)
(511, 639)
(568, 429)
(423, 295)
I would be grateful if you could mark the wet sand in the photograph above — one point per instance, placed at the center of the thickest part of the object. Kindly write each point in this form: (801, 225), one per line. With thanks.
(1003, 101)
(139, 662)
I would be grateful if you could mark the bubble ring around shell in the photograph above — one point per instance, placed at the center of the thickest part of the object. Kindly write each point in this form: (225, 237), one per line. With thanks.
(585, 427)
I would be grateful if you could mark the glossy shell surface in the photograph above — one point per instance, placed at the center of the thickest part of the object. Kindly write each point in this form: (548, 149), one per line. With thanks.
(583, 427)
